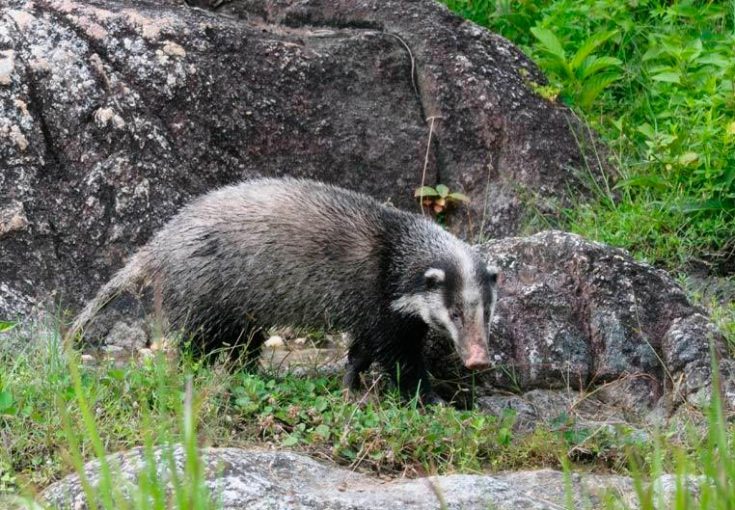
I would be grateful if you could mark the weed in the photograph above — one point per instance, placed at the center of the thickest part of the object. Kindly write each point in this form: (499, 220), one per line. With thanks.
(438, 199)
(655, 79)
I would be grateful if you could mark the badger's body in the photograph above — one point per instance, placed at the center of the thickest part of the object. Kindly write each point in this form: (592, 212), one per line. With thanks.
(288, 252)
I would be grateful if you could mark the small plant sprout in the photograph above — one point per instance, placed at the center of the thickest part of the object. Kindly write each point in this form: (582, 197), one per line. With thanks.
(439, 198)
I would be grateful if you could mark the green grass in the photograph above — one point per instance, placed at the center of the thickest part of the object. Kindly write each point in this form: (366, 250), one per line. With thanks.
(56, 413)
(655, 79)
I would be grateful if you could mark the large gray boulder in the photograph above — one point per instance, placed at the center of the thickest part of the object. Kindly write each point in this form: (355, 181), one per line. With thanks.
(257, 480)
(113, 113)
(587, 318)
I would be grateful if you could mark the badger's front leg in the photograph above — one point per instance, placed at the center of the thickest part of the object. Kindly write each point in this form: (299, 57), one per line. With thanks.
(411, 378)
(402, 357)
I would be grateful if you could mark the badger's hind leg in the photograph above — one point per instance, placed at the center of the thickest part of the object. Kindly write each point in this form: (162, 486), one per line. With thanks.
(232, 337)
(242, 345)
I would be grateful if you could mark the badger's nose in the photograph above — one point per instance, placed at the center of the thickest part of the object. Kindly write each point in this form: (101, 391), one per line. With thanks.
(477, 359)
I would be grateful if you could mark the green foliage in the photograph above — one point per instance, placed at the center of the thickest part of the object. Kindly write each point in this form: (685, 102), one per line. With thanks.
(582, 76)
(62, 413)
(655, 79)
(384, 435)
(58, 414)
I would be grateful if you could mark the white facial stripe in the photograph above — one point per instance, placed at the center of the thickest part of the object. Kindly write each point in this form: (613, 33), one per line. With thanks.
(430, 307)
(492, 305)
(418, 304)
(471, 292)
(412, 304)
(479, 317)
(466, 264)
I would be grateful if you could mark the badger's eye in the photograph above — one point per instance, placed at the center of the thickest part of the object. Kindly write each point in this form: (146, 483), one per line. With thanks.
(455, 315)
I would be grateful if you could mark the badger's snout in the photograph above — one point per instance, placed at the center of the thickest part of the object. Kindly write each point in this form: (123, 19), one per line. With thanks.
(477, 358)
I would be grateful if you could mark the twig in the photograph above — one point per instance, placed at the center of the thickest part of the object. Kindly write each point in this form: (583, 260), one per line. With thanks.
(426, 161)
(413, 61)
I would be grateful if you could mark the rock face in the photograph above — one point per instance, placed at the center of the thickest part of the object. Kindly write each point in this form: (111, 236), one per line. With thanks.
(574, 314)
(251, 480)
(114, 113)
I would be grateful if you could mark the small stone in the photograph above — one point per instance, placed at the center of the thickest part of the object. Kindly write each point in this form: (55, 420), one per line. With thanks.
(12, 219)
(146, 353)
(173, 49)
(665, 489)
(105, 116)
(164, 344)
(21, 18)
(88, 360)
(127, 337)
(275, 342)
(22, 106)
(19, 138)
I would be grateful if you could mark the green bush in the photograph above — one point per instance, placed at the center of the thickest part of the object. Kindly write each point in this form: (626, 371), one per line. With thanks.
(655, 79)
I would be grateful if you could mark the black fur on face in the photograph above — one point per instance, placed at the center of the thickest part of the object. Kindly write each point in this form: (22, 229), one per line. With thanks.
(453, 285)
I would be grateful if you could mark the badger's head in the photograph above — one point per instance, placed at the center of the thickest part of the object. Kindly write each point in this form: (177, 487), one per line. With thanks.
(456, 298)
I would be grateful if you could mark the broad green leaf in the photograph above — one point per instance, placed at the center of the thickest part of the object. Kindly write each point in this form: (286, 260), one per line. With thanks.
(715, 60)
(688, 158)
(116, 373)
(651, 53)
(594, 86)
(7, 326)
(694, 50)
(691, 206)
(644, 181)
(6, 400)
(425, 191)
(590, 45)
(594, 65)
(291, 440)
(461, 197)
(549, 42)
(646, 130)
(554, 66)
(668, 77)
(442, 190)
(322, 430)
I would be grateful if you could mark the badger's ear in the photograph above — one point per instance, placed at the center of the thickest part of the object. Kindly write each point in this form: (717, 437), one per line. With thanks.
(434, 277)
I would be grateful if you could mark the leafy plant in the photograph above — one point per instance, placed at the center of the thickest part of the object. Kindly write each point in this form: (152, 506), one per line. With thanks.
(438, 199)
(583, 75)
(655, 79)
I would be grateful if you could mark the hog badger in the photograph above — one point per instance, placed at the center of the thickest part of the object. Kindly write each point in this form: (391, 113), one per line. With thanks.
(292, 252)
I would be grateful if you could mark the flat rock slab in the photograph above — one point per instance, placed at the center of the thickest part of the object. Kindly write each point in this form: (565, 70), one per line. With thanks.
(254, 480)
(114, 113)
